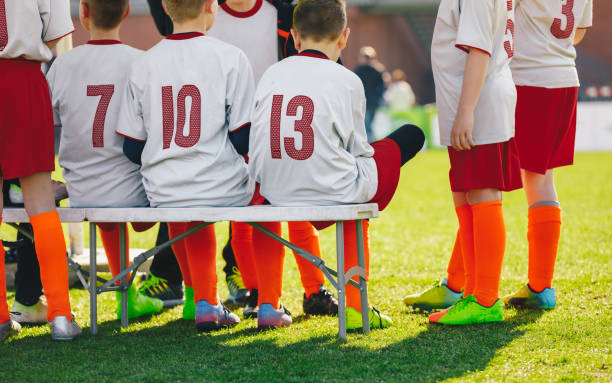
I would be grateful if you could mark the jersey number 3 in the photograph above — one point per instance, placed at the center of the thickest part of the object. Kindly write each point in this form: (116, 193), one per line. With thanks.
(568, 11)
(105, 92)
(3, 27)
(302, 126)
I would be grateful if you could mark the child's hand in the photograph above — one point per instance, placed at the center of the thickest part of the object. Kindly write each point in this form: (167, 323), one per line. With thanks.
(461, 133)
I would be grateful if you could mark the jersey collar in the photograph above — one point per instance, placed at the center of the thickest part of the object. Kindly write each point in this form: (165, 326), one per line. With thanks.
(313, 53)
(184, 36)
(103, 42)
(244, 14)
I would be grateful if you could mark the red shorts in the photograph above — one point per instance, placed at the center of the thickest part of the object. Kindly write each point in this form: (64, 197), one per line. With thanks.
(491, 166)
(545, 127)
(26, 120)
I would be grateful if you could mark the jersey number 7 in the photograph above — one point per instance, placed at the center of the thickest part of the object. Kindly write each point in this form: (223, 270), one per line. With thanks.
(105, 92)
(3, 27)
(302, 126)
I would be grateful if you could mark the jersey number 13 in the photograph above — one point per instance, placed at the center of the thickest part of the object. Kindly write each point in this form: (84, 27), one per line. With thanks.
(302, 126)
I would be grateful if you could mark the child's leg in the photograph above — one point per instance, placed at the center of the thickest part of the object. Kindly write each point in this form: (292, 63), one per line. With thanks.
(49, 242)
(201, 249)
(305, 236)
(242, 244)
(269, 264)
(175, 229)
(353, 297)
(109, 232)
(544, 227)
(455, 272)
(4, 310)
(489, 243)
(466, 237)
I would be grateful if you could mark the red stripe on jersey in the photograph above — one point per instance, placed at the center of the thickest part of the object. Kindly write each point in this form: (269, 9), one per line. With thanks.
(313, 53)
(244, 14)
(103, 42)
(184, 36)
(61, 37)
(465, 48)
(131, 138)
(241, 126)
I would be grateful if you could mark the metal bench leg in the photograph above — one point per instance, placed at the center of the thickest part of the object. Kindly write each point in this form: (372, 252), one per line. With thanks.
(93, 289)
(341, 280)
(363, 283)
(123, 264)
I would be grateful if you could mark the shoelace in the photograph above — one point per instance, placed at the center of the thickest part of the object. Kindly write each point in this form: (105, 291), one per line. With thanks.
(462, 303)
(379, 316)
(152, 285)
(234, 281)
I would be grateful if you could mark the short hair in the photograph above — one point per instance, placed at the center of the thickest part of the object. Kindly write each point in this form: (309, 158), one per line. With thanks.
(107, 14)
(182, 10)
(320, 19)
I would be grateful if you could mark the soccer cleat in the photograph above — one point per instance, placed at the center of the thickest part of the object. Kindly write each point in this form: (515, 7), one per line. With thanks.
(269, 318)
(529, 299)
(189, 307)
(251, 307)
(377, 320)
(155, 287)
(209, 317)
(139, 304)
(468, 311)
(32, 315)
(438, 296)
(62, 329)
(238, 293)
(9, 329)
(321, 303)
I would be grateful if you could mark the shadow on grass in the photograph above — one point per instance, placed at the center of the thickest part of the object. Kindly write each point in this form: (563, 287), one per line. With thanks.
(175, 352)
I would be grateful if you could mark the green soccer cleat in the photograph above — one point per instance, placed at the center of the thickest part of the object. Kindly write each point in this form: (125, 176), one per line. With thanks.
(156, 287)
(377, 320)
(438, 296)
(468, 311)
(189, 307)
(529, 299)
(139, 304)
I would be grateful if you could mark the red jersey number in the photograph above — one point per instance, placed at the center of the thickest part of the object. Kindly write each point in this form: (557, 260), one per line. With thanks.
(302, 126)
(3, 27)
(105, 92)
(568, 12)
(509, 42)
(195, 116)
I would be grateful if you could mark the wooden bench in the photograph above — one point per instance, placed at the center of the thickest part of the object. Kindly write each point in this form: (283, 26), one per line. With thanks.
(208, 216)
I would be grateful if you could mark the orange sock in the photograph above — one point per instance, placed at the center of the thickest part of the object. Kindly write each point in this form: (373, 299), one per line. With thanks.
(543, 235)
(51, 251)
(174, 230)
(269, 258)
(201, 249)
(489, 248)
(110, 239)
(353, 297)
(455, 274)
(466, 236)
(4, 310)
(242, 244)
(305, 236)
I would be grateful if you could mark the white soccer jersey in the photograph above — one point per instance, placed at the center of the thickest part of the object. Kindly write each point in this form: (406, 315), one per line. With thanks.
(253, 31)
(545, 55)
(87, 87)
(308, 144)
(184, 97)
(486, 25)
(25, 25)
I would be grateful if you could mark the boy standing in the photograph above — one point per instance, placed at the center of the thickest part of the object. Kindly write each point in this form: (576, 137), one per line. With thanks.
(471, 50)
(184, 97)
(87, 86)
(309, 120)
(27, 35)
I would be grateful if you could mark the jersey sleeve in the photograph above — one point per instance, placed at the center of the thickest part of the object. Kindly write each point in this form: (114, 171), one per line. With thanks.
(52, 81)
(357, 140)
(131, 123)
(587, 17)
(240, 92)
(475, 29)
(56, 20)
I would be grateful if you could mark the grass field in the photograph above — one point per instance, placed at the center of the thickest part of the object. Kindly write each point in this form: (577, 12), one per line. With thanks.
(411, 242)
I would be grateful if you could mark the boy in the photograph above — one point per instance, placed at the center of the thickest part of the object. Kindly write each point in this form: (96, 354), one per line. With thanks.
(471, 51)
(87, 86)
(28, 32)
(194, 80)
(312, 100)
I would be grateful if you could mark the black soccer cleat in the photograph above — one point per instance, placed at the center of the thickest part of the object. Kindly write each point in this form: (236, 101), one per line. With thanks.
(321, 303)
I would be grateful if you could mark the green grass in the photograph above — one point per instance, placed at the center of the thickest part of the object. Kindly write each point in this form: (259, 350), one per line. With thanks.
(411, 242)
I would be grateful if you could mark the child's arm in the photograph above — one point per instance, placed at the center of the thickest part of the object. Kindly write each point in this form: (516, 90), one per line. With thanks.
(355, 138)
(239, 100)
(56, 22)
(473, 80)
(585, 22)
(162, 20)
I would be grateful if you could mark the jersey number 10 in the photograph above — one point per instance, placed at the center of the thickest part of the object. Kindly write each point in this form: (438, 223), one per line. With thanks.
(302, 126)
(3, 27)
(195, 118)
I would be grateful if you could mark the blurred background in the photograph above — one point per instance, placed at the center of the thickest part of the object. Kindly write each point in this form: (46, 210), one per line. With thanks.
(400, 33)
